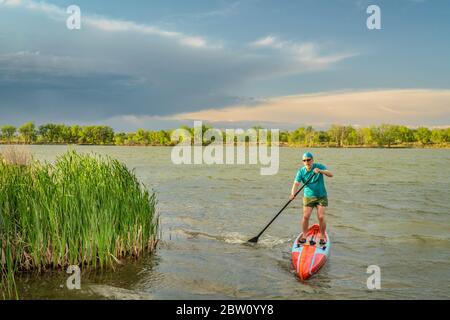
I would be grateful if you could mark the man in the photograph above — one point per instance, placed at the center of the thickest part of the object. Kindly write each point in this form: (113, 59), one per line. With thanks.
(315, 194)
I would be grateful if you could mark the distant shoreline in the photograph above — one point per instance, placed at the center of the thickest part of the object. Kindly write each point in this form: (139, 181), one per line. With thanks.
(337, 136)
(282, 145)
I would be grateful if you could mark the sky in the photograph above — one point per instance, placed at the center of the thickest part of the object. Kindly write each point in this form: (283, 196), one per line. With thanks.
(281, 64)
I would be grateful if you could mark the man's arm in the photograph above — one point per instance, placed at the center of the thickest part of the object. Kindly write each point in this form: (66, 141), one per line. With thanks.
(325, 172)
(294, 189)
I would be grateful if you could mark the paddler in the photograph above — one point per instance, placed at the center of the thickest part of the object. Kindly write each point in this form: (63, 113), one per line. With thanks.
(315, 194)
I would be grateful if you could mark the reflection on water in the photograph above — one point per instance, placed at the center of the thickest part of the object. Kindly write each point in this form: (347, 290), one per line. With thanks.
(387, 207)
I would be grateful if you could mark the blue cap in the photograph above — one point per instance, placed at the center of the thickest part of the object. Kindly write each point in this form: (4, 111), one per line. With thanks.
(308, 155)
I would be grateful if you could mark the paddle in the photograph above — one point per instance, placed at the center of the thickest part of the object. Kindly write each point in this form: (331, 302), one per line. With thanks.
(255, 239)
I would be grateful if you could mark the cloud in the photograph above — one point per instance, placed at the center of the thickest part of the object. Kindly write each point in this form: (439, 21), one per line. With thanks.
(15, 64)
(268, 41)
(225, 11)
(49, 73)
(408, 107)
(109, 25)
(11, 3)
(299, 57)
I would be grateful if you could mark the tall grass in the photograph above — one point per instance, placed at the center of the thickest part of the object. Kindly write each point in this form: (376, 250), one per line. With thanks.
(83, 210)
(15, 156)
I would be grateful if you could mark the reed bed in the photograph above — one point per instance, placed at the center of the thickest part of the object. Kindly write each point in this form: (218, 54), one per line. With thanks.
(16, 156)
(85, 210)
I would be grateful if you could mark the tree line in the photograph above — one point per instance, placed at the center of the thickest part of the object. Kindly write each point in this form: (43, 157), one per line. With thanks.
(385, 135)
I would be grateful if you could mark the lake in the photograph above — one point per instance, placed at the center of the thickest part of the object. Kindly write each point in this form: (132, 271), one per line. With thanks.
(387, 207)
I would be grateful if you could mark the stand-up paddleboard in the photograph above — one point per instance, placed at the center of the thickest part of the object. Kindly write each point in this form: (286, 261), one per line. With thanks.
(310, 256)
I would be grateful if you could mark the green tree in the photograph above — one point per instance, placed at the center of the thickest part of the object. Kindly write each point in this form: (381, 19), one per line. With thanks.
(439, 136)
(321, 137)
(350, 136)
(447, 135)
(385, 135)
(366, 135)
(390, 133)
(406, 135)
(50, 133)
(298, 136)
(339, 134)
(359, 137)
(65, 134)
(8, 132)
(129, 140)
(309, 136)
(423, 135)
(164, 138)
(141, 137)
(119, 138)
(27, 132)
(75, 134)
(104, 135)
(284, 136)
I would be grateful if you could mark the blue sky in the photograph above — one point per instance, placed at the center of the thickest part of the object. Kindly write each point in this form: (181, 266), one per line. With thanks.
(157, 64)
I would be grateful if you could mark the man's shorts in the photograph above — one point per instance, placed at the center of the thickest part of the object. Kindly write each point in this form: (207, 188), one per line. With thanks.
(316, 201)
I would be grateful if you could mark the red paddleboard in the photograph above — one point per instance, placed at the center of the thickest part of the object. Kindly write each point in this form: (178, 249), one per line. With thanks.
(310, 256)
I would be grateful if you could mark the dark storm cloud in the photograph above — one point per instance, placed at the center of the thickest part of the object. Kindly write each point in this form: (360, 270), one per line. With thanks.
(111, 68)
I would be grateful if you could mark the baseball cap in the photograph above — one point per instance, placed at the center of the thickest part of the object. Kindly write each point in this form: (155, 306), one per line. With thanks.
(308, 155)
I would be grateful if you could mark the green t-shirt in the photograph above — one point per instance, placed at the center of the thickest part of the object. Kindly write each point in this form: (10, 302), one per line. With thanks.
(316, 187)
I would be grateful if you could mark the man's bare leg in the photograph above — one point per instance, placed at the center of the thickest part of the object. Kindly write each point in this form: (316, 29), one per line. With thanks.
(305, 220)
(322, 222)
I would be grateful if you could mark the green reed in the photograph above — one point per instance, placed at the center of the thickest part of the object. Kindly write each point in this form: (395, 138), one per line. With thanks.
(85, 210)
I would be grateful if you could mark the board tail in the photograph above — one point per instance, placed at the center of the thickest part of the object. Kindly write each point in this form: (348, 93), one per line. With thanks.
(310, 257)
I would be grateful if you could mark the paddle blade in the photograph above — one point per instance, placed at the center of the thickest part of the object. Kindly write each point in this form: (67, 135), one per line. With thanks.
(253, 240)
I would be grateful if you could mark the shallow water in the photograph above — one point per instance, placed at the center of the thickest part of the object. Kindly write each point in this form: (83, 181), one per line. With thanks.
(387, 207)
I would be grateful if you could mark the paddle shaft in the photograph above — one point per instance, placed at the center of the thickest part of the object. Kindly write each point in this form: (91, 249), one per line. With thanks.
(255, 239)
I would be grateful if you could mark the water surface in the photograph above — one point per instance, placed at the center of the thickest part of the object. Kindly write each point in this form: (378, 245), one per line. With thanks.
(387, 207)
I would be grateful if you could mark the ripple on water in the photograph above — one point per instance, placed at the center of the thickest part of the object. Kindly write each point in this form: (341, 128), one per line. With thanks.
(232, 238)
(392, 218)
(115, 293)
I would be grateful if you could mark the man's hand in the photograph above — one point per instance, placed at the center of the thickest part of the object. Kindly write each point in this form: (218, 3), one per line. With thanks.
(291, 197)
(317, 170)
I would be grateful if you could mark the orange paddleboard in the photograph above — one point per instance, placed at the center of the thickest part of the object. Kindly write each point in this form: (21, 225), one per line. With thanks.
(309, 257)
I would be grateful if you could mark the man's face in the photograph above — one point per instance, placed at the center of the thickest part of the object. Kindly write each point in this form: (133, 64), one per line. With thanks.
(308, 162)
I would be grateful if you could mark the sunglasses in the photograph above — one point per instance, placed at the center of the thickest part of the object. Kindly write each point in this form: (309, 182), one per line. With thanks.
(306, 160)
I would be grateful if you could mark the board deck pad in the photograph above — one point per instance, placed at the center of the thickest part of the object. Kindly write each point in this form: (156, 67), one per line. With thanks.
(308, 258)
